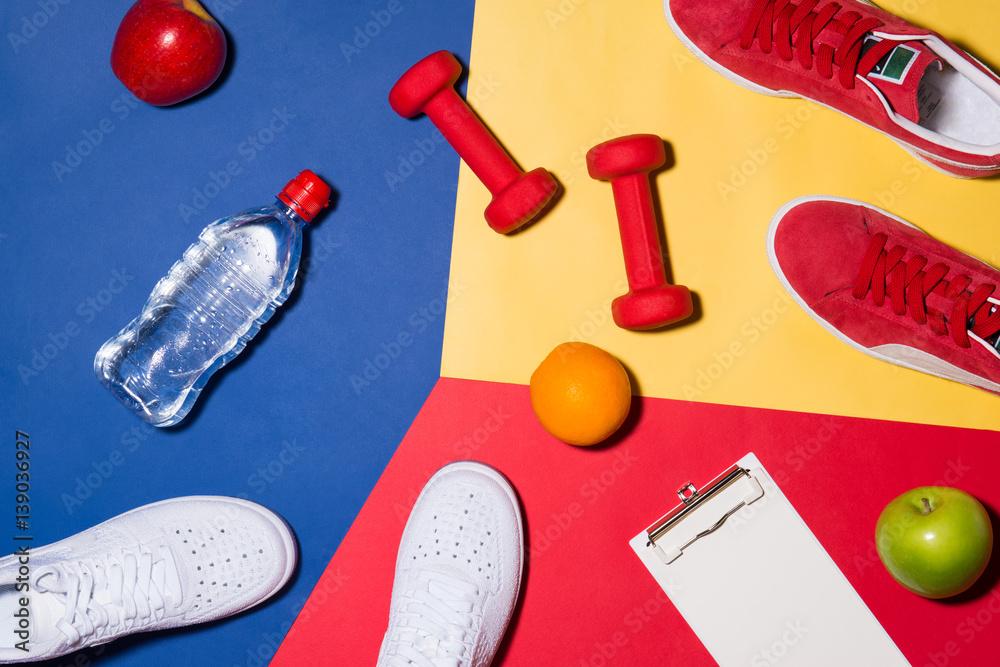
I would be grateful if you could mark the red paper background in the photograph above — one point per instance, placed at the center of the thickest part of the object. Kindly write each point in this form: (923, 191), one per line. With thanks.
(586, 600)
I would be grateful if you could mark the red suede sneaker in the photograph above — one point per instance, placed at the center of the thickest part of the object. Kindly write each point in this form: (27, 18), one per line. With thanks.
(888, 289)
(933, 99)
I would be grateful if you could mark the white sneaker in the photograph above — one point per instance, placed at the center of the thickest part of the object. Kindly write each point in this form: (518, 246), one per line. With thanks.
(172, 563)
(458, 572)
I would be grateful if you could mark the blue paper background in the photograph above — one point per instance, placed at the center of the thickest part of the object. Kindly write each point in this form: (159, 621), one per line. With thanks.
(100, 194)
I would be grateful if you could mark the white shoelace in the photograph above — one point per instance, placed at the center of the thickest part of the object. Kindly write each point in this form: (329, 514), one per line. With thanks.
(434, 628)
(103, 595)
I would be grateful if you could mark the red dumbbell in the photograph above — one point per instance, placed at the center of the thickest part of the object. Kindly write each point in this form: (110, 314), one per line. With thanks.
(651, 301)
(428, 87)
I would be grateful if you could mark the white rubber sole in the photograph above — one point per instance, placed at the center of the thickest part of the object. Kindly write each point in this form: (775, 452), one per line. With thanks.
(757, 88)
(949, 373)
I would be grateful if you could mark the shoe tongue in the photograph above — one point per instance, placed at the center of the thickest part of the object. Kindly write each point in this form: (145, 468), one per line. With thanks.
(46, 610)
(994, 340)
(899, 75)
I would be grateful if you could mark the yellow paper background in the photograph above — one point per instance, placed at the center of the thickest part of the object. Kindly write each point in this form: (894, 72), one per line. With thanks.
(552, 79)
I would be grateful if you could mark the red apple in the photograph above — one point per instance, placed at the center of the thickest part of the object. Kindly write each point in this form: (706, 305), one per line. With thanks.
(166, 51)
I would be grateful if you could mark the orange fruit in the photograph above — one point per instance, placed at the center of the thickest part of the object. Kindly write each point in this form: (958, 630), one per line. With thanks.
(580, 393)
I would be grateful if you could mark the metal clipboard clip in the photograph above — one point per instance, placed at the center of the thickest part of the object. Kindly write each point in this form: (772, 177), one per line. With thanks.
(702, 512)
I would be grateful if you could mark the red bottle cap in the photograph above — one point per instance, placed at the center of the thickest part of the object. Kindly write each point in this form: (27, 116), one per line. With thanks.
(306, 194)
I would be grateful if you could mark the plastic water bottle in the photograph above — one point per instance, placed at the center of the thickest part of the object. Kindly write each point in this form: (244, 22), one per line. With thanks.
(214, 300)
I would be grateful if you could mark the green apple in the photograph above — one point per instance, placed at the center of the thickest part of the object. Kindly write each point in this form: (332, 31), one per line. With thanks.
(934, 540)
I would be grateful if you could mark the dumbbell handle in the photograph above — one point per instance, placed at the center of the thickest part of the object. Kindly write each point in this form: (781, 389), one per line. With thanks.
(651, 301)
(471, 139)
(637, 228)
(428, 87)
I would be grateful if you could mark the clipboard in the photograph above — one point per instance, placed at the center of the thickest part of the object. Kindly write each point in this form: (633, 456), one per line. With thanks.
(754, 583)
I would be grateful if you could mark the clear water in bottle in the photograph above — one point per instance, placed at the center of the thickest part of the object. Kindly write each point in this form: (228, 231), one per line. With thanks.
(211, 303)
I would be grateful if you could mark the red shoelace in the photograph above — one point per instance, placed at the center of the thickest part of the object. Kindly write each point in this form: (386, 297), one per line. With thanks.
(908, 286)
(776, 22)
